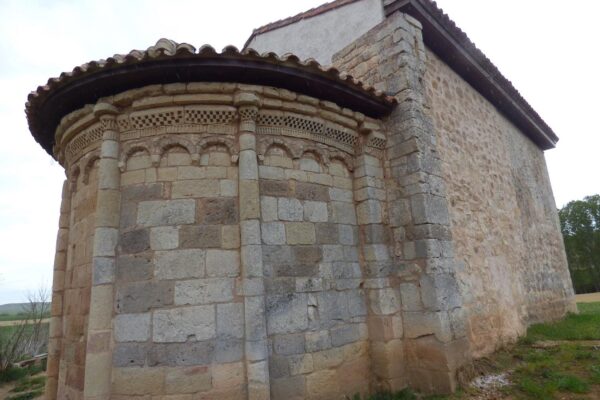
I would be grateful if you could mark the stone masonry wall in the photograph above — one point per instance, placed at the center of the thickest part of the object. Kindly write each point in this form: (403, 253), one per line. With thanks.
(504, 220)
(177, 312)
(421, 275)
(316, 310)
(228, 246)
(72, 281)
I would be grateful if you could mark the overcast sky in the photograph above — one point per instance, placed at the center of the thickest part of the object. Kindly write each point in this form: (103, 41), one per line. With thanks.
(547, 48)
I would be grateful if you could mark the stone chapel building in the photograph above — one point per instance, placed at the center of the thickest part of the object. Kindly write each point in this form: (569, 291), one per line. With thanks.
(243, 225)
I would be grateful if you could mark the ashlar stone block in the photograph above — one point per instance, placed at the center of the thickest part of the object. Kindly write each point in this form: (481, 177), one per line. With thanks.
(132, 327)
(289, 209)
(166, 212)
(287, 313)
(222, 263)
(315, 211)
(230, 321)
(184, 323)
(273, 233)
(181, 380)
(204, 291)
(268, 208)
(300, 233)
(180, 264)
(164, 238)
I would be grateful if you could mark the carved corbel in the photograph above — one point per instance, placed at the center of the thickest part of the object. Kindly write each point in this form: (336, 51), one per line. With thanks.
(372, 139)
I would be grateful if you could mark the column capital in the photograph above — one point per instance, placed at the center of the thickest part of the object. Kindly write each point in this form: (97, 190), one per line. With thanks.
(107, 114)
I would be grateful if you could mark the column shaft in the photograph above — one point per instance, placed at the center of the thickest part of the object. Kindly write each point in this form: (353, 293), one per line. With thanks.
(98, 363)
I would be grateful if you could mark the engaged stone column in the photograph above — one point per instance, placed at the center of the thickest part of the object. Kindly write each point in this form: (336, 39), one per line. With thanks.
(58, 284)
(384, 307)
(98, 363)
(257, 371)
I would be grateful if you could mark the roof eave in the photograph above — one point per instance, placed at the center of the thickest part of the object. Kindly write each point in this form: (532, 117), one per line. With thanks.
(466, 60)
(158, 65)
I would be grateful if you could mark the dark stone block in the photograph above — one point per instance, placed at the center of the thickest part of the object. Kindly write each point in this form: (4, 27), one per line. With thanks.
(134, 268)
(200, 236)
(181, 354)
(274, 188)
(327, 233)
(311, 191)
(134, 241)
(218, 211)
(307, 254)
(143, 296)
(143, 192)
(130, 354)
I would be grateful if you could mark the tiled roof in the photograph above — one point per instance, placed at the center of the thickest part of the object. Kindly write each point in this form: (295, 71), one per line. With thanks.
(168, 62)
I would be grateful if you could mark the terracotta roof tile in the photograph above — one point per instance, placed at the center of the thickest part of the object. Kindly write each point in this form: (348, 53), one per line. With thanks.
(168, 51)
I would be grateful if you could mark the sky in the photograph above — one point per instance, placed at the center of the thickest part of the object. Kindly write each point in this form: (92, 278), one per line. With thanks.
(547, 48)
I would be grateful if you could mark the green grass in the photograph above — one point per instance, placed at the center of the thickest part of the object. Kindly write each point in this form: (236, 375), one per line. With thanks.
(29, 383)
(589, 308)
(550, 373)
(544, 373)
(26, 396)
(582, 326)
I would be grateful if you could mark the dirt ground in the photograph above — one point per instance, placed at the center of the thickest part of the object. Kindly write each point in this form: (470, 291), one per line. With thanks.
(7, 387)
(588, 297)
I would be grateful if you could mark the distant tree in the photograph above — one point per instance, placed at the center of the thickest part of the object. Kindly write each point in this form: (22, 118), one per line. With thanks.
(580, 226)
(29, 336)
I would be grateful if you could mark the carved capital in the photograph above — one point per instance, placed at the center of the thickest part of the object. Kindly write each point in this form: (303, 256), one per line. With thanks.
(107, 114)
(247, 104)
(248, 114)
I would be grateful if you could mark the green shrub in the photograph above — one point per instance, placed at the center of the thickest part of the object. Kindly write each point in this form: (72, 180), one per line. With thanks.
(13, 374)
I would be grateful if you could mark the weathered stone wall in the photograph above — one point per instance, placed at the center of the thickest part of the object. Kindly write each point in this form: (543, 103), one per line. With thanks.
(222, 226)
(72, 279)
(423, 319)
(504, 220)
(315, 307)
(177, 313)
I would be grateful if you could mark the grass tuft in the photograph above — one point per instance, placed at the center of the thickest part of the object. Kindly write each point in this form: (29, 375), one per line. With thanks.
(571, 383)
(26, 396)
(28, 384)
(405, 394)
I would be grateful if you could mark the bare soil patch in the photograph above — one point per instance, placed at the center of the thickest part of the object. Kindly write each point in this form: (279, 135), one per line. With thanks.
(587, 298)
(17, 322)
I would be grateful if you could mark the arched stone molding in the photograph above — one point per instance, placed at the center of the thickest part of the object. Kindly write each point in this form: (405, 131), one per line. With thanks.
(129, 149)
(89, 163)
(216, 140)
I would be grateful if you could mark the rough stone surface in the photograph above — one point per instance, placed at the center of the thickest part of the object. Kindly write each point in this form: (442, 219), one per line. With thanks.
(509, 186)
(183, 324)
